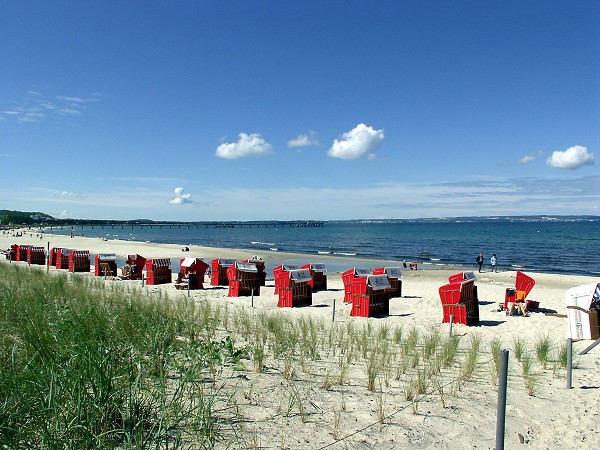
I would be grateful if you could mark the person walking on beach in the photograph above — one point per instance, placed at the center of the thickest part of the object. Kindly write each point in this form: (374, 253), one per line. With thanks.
(479, 261)
(494, 262)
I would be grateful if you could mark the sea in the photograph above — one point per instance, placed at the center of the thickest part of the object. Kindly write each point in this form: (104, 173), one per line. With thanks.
(541, 244)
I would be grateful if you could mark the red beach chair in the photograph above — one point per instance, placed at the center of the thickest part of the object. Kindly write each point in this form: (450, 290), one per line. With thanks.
(394, 275)
(36, 255)
(134, 267)
(347, 278)
(79, 261)
(459, 299)
(260, 265)
(523, 286)
(54, 252)
(244, 279)
(218, 273)
(158, 271)
(294, 288)
(62, 258)
(282, 268)
(370, 296)
(318, 272)
(105, 264)
(191, 273)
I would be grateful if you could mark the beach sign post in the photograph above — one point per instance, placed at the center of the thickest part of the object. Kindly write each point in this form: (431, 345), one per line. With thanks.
(569, 363)
(333, 316)
(501, 414)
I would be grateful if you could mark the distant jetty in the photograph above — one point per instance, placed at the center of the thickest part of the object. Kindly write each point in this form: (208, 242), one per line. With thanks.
(171, 225)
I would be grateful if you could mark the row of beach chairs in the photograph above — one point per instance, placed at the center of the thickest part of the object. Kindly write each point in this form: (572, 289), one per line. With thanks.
(368, 291)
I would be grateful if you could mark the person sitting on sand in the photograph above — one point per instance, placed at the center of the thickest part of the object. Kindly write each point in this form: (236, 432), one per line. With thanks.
(519, 305)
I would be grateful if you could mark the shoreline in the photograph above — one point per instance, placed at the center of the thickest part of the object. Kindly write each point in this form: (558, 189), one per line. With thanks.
(149, 250)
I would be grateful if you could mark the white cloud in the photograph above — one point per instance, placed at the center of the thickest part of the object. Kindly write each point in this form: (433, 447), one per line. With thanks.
(180, 197)
(304, 140)
(530, 157)
(35, 107)
(248, 145)
(70, 99)
(31, 117)
(71, 111)
(572, 158)
(355, 143)
(71, 195)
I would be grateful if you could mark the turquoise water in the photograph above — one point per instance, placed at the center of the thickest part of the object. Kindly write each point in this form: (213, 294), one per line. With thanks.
(555, 246)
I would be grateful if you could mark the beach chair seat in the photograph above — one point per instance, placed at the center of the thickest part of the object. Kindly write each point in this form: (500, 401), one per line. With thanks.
(106, 270)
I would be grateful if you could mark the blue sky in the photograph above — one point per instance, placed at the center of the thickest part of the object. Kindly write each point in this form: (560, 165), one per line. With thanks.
(243, 110)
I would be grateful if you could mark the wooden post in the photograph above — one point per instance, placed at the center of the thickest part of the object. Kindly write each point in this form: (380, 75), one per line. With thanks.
(501, 414)
(333, 316)
(569, 363)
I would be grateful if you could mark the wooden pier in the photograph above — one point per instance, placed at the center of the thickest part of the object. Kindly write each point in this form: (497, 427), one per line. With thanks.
(171, 225)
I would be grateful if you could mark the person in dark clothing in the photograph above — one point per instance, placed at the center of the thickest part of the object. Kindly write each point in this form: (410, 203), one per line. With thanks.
(479, 261)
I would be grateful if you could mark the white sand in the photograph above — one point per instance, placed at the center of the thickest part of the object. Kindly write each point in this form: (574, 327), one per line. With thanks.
(554, 418)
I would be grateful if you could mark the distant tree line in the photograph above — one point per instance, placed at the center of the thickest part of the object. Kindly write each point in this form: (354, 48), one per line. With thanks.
(8, 217)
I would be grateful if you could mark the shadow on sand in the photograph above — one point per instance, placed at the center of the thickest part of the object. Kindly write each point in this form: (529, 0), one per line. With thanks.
(488, 323)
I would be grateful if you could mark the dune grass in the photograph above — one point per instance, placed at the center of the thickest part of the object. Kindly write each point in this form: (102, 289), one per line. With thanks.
(89, 367)
(90, 364)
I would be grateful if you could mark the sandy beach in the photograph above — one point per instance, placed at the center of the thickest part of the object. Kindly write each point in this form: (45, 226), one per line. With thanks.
(554, 417)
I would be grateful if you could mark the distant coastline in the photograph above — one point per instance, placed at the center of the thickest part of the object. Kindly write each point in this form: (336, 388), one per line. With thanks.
(20, 218)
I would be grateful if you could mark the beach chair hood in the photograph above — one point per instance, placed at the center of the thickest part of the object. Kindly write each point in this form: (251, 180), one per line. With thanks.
(524, 282)
(300, 275)
(247, 267)
(136, 260)
(378, 282)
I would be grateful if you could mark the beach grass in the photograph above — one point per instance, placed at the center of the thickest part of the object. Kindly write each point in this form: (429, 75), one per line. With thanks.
(100, 365)
(495, 350)
(90, 367)
(543, 347)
